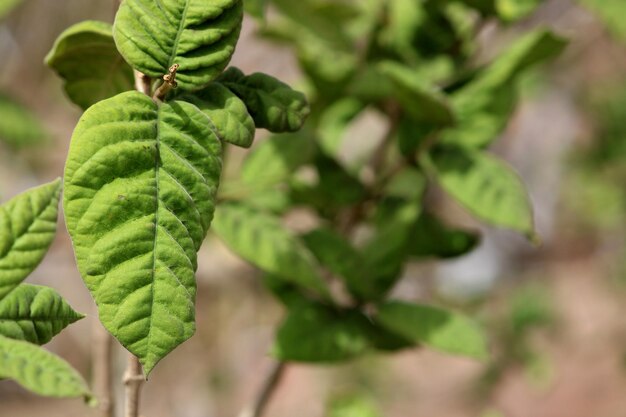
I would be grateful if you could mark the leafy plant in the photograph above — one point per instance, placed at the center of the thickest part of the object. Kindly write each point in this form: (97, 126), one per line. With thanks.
(144, 167)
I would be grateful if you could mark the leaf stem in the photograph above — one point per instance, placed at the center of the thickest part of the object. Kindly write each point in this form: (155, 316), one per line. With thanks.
(169, 83)
(133, 380)
(102, 370)
(268, 388)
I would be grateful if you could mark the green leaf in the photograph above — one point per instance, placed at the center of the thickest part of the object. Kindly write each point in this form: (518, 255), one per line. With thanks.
(256, 8)
(484, 106)
(86, 58)
(262, 240)
(340, 257)
(430, 237)
(40, 371)
(28, 224)
(512, 10)
(140, 186)
(334, 121)
(318, 334)
(275, 159)
(34, 314)
(485, 185)
(6, 6)
(18, 126)
(424, 103)
(227, 112)
(272, 104)
(198, 36)
(353, 406)
(439, 329)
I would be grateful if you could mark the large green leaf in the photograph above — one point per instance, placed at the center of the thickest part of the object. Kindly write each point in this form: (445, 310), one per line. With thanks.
(18, 126)
(40, 371)
(439, 329)
(485, 185)
(272, 104)
(199, 36)
(227, 112)
(140, 185)
(28, 224)
(34, 314)
(86, 58)
(261, 239)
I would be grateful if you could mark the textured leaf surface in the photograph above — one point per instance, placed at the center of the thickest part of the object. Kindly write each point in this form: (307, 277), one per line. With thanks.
(18, 126)
(486, 186)
(439, 329)
(34, 314)
(227, 112)
(86, 58)
(39, 371)
(28, 224)
(263, 241)
(272, 104)
(140, 184)
(199, 36)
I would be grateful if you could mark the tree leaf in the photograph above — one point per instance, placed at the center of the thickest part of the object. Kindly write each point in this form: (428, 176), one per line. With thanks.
(334, 121)
(272, 104)
(34, 314)
(227, 112)
(198, 36)
(275, 159)
(40, 371)
(28, 224)
(430, 237)
(512, 10)
(439, 329)
(316, 334)
(86, 58)
(256, 8)
(140, 186)
(485, 185)
(18, 126)
(484, 106)
(424, 103)
(261, 239)
(353, 406)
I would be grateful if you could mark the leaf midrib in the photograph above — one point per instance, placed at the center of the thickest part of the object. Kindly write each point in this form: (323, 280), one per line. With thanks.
(181, 28)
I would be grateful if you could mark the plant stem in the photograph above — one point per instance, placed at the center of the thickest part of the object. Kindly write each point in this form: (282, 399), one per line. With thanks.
(169, 83)
(102, 370)
(142, 83)
(133, 380)
(268, 388)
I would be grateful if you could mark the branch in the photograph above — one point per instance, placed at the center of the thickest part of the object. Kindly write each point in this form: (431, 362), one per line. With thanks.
(102, 367)
(133, 380)
(268, 388)
(169, 83)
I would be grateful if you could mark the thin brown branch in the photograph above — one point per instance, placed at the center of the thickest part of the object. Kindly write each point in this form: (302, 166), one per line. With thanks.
(133, 380)
(102, 370)
(169, 83)
(268, 388)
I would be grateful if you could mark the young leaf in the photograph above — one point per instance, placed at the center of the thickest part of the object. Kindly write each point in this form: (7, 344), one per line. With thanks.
(485, 185)
(40, 371)
(261, 239)
(18, 126)
(439, 329)
(314, 333)
(28, 224)
(272, 104)
(198, 36)
(274, 160)
(34, 314)
(86, 58)
(140, 185)
(227, 112)
(423, 103)
(430, 237)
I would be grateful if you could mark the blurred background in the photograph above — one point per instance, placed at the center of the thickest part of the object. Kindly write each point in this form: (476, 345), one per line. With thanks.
(554, 312)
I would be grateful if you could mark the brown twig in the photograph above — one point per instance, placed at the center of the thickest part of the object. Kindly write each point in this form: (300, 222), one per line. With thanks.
(133, 380)
(269, 387)
(169, 83)
(102, 370)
